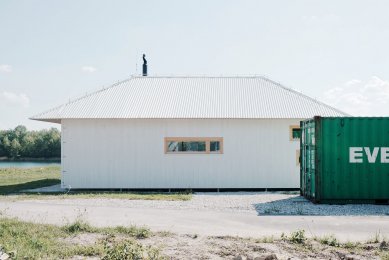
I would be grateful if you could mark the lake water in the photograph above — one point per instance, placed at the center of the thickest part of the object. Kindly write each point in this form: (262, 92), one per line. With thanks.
(27, 164)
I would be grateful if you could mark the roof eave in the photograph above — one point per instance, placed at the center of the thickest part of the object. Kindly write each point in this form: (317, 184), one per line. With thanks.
(50, 120)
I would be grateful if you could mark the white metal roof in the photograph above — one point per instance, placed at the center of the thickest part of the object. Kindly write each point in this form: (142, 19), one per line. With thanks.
(192, 97)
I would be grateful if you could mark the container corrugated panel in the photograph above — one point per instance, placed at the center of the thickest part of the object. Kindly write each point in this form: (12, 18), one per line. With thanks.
(345, 160)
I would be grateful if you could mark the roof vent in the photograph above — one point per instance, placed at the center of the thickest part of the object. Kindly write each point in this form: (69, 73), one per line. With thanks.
(144, 72)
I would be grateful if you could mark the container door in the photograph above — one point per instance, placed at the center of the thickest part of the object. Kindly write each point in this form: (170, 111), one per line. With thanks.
(308, 159)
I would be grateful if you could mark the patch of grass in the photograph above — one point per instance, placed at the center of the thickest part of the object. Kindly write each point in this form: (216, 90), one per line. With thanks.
(329, 240)
(106, 195)
(131, 195)
(297, 237)
(133, 231)
(350, 245)
(13, 180)
(267, 239)
(38, 241)
(79, 226)
(31, 241)
(129, 249)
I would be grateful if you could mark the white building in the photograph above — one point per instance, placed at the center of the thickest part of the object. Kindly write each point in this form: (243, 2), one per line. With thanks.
(184, 132)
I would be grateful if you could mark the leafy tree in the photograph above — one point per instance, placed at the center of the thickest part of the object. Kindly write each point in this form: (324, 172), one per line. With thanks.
(15, 148)
(22, 143)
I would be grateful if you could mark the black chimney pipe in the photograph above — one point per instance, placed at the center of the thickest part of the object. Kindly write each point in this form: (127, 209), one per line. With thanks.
(144, 72)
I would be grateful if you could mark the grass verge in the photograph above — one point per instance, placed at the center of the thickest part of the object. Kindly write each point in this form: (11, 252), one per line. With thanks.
(13, 181)
(24, 240)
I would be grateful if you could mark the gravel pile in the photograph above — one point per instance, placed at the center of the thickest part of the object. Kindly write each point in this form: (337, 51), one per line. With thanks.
(297, 205)
(261, 203)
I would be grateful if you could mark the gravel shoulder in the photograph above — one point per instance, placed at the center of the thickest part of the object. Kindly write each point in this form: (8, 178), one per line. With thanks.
(246, 214)
(263, 203)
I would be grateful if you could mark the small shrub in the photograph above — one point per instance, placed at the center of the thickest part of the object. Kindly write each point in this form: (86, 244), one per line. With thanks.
(130, 250)
(78, 226)
(269, 239)
(350, 245)
(298, 237)
(329, 240)
(134, 231)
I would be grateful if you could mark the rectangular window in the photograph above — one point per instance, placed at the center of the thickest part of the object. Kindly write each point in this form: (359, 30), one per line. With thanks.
(294, 133)
(194, 145)
(214, 146)
(174, 146)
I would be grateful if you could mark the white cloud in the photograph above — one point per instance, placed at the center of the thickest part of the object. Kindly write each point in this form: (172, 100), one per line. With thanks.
(5, 68)
(89, 69)
(358, 98)
(10, 98)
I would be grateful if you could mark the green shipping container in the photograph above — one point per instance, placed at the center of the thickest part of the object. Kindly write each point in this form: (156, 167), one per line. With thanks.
(345, 159)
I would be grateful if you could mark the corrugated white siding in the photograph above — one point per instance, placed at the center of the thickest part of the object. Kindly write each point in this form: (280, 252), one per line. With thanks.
(192, 97)
(109, 153)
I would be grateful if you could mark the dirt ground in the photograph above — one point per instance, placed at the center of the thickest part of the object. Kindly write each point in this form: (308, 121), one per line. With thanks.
(174, 246)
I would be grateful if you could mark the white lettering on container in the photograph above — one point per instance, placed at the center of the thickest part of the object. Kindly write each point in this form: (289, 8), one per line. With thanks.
(356, 154)
(385, 154)
(372, 157)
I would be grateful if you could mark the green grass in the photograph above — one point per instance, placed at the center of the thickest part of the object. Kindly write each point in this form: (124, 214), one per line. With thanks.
(106, 195)
(24, 240)
(14, 181)
(331, 240)
(80, 226)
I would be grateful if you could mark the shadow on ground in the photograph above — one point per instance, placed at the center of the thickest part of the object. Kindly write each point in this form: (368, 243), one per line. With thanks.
(299, 206)
(15, 188)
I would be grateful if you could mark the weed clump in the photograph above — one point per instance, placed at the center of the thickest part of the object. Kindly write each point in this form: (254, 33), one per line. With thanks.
(134, 231)
(79, 226)
(330, 241)
(296, 237)
(129, 250)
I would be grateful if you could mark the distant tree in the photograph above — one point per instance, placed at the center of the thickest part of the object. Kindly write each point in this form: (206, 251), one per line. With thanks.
(20, 142)
(15, 148)
(6, 145)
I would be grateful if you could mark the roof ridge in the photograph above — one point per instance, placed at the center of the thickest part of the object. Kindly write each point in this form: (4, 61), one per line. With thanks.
(304, 96)
(198, 76)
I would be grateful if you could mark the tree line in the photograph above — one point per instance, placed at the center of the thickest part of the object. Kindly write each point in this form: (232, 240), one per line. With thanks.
(21, 143)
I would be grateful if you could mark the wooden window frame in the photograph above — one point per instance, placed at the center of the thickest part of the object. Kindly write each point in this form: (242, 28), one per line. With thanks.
(291, 132)
(207, 141)
(298, 157)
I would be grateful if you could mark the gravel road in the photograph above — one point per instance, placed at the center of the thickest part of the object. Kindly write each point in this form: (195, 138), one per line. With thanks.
(264, 203)
(212, 214)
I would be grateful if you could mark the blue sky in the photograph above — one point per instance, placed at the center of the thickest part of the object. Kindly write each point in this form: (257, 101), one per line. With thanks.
(53, 51)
